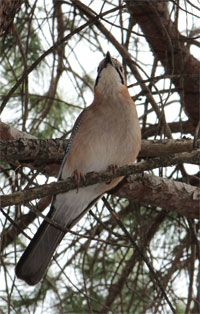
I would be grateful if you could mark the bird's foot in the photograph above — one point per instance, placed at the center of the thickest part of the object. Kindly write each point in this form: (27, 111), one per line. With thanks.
(112, 168)
(77, 176)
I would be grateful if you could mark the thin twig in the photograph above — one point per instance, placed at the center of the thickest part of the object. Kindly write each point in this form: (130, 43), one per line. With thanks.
(154, 275)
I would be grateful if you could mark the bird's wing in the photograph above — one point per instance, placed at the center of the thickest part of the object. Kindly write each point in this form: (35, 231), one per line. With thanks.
(73, 133)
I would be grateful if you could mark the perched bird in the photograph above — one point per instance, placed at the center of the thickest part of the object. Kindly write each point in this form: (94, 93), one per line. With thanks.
(106, 134)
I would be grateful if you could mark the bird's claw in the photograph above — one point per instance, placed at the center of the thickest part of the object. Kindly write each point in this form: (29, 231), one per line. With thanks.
(113, 168)
(77, 176)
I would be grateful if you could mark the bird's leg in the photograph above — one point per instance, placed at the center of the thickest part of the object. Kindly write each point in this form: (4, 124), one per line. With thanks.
(112, 168)
(77, 176)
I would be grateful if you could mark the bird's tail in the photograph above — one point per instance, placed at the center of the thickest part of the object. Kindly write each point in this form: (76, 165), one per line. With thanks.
(35, 260)
(66, 210)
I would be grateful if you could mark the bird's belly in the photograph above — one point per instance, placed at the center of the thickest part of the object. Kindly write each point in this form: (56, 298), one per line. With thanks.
(70, 205)
(98, 157)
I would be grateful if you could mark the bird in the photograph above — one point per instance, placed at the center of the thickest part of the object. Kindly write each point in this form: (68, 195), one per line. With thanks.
(106, 135)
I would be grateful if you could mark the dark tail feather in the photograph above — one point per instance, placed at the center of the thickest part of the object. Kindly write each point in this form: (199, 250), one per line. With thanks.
(37, 256)
(33, 263)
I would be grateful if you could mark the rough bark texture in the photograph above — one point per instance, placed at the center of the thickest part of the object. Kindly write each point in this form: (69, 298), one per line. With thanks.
(46, 155)
(40, 151)
(164, 193)
(168, 46)
(8, 9)
(9, 133)
(92, 178)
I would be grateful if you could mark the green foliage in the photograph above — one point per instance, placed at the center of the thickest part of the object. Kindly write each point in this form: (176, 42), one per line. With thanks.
(52, 119)
(30, 299)
(15, 53)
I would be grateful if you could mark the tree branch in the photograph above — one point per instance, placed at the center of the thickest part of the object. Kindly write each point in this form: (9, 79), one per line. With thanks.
(60, 42)
(93, 178)
(183, 127)
(168, 45)
(8, 9)
(164, 193)
(9, 133)
(43, 151)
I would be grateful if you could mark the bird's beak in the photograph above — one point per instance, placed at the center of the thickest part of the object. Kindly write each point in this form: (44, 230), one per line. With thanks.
(108, 59)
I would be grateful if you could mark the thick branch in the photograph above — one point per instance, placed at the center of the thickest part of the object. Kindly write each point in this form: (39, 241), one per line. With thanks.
(169, 47)
(183, 127)
(164, 193)
(46, 155)
(40, 151)
(9, 133)
(93, 178)
(8, 9)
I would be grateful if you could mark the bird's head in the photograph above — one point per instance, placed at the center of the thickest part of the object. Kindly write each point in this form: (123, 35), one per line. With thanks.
(110, 74)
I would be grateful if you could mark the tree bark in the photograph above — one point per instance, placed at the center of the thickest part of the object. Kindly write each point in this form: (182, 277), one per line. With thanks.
(9, 134)
(169, 47)
(183, 127)
(45, 155)
(40, 152)
(168, 188)
(8, 9)
(162, 193)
